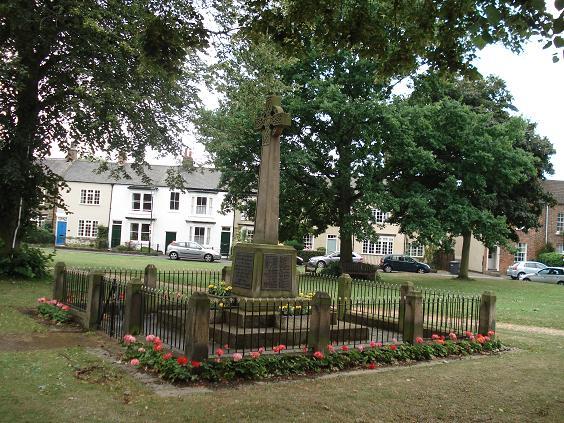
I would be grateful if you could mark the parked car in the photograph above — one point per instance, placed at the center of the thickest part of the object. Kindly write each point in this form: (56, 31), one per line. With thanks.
(192, 251)
(322, 261)
(403, 263)
(299, 260)
(546, 275)
(520, 268)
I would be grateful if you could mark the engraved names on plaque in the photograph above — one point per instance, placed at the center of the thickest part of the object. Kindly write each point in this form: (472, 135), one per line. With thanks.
(277, 272)
(243, 269)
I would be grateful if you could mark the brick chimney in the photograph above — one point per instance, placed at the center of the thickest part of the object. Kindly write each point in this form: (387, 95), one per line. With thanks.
(72, 153)
(187, 160)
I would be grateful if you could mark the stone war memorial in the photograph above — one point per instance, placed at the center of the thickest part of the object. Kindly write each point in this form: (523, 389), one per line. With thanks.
(264, 268)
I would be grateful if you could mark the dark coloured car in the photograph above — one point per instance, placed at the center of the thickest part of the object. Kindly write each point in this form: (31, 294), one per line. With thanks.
(402, 263)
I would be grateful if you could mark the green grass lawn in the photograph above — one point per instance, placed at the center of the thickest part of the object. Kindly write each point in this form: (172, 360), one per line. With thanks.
(525, 385)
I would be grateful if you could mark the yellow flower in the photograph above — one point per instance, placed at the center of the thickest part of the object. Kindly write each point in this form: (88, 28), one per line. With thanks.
(221, 305)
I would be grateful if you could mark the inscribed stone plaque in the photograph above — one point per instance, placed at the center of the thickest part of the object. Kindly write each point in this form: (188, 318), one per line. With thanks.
(243, 269)
(277, 272)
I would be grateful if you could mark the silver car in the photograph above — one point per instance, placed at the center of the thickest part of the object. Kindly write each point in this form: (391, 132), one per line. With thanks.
(192, 251)
(322, 261)
(547, 275)
(517, 270)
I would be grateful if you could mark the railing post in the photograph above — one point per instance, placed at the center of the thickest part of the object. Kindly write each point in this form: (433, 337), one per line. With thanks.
(197, 327)
(93, 300)
(405, 289)
(60, 269)
(413, 317)
(133, 313)
(344, 293)
(150, 277)
(320, 323)
(487, 313)
(226, 274)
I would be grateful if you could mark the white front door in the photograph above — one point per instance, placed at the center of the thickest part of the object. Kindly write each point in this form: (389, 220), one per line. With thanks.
(493, 262)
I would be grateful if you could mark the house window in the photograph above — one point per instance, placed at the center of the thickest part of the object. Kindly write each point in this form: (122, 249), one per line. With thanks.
(415, 250)
(247, 234)
(380, 216)
(90, 196)
(560, 222)
(174, 200)
(560, 248)
(201, 205)
(140, 232)
(201, 235)
(521, 254)
(308, 242)
(384, 245)
(88, 228)
(145, 199)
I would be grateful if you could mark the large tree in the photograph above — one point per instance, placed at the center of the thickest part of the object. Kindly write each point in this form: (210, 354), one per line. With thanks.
(462, 165)
(109, 76)
(331, 156)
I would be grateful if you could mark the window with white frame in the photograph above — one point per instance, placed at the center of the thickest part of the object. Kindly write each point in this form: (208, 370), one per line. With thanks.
(90, 196)
(521, 254)
(201, 205)
(141, 202)
(308, 242)
(560, 248)
(384, 245)
(174, 200)
(415, 249)
(380, 216)
(139, 232)
(247, 234)
(201, 235)
(88, 228)
(560, 222)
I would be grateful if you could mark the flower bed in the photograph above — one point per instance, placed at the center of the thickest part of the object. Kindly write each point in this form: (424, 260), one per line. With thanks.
(53, 310)
(151, 356)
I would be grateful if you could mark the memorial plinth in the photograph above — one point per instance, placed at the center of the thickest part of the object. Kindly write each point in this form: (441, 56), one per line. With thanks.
(264, 271)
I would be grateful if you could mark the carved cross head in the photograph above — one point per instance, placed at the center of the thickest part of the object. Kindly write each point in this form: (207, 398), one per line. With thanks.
(273, 119)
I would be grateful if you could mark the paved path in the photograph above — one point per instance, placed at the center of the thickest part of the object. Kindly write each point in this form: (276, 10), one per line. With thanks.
(530, 329)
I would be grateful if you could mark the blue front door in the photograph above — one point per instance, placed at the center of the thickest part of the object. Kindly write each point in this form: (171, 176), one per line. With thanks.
(61, 233)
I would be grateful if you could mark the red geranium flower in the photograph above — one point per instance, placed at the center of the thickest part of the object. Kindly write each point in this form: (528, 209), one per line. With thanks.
(393, 347)
(183, 361)
(157, 347)
(167, 356)
(196, 364)
(345, 348)
(319, 355)
(372, 365)
(219, 352)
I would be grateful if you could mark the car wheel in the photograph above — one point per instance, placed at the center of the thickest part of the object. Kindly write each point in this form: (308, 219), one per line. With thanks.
(420, 270)
(173, 255)
(520, 274)
(387, 268)
(513, 277)
(526, 280)
(561, 283)
(208, 258)
(321, 264)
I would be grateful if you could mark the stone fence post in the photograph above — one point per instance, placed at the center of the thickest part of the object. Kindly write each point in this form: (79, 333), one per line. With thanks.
(93, 300)
(226, 274)
(59, 276)
(197, 327)
(150, 276)
(405, 289)
(487, 313)
(133, 313)
(344, 294)
(413, 317)
(320, 322)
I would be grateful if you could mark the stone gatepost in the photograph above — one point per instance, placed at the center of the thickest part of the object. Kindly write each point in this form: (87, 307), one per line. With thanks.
(413, 318)
(150, 276)
(320, 322)
(226, 274)
(133, 313)
(344, 294)
(93, 300)
(197, 327)
(59, 276)
(405, 289)
(487, 313)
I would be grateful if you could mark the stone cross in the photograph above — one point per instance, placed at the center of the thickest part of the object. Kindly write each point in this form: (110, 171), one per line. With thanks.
(270, 124)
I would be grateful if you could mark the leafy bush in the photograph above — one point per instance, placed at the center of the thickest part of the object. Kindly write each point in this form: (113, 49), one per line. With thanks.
(102, 238)
(38, 235)
(296, 244)
(321, 250)
(332, 268)
(551, 259)
(26, 262)
(257, 365)
(547, 248)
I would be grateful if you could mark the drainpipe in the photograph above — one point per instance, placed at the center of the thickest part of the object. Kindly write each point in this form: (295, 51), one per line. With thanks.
(109, 216)
(546, 226)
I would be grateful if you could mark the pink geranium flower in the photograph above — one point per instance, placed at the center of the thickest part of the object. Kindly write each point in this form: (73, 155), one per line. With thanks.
(491, 333)
(129, 339)
(65, 308)
(219, 352)
(167, 356)
(452, 336)
(255, 355)
(42, 300)
(237, 356)
(261, 350)
(435, 336)
(419, 340)
(319, 355)
(331, 348)
(360, 347)
(150, 338)
(134, 362)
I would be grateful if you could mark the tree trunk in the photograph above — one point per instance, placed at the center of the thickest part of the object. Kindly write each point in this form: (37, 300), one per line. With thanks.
(346, 246)
(465, 260)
